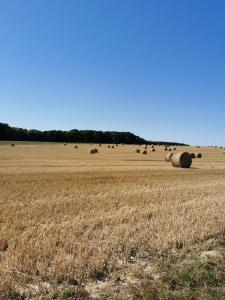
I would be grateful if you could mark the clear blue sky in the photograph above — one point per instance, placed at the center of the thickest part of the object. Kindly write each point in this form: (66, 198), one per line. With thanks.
(152, 67)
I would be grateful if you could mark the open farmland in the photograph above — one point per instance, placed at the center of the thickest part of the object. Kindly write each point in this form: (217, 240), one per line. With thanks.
(112, 223)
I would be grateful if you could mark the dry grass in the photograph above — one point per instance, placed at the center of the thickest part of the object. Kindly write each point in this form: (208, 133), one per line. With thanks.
(66, 215)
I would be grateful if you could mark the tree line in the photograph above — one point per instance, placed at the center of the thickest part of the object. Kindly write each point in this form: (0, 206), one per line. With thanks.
(8, 133)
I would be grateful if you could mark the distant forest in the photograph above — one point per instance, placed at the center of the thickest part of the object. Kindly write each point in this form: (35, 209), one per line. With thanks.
(8, 133)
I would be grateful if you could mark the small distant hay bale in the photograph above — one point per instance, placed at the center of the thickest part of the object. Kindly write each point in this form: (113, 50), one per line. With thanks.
(93, 151)
(192, 155)
(117, 145)
(76, 147)
(152, 146)
(166, 148)
(181, 159)
(138, 151)
(113, 146)
(146, 147)
(109, 146)
(153, 150)
(12, 145)
(174, 148)
(168, 156)
(65, 144)
(169, 149)
(100, 145)
(144, 152)
(198, 155)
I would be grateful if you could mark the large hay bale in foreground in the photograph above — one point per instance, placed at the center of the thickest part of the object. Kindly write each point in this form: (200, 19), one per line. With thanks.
(181, 159)
(198, 155)
(168, 156)
(144, 152)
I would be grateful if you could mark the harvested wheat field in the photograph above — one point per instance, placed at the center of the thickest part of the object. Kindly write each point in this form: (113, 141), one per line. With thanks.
(113, 225)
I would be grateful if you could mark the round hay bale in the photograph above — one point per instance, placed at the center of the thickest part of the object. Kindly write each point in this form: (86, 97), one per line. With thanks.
(174, 148)
(181, 159)
(169, 149)
(100, 145)
(113, 146)
(152, 146)
(166, 149)
(109, 146)
(93, 151)
(198, 155)
(146, 147)
(12, 145)
(117, 145)
(153, 150)
(144, 152)
(75, 146)
(65, 144)
(168, 156)
(138, 151)
(192, 155)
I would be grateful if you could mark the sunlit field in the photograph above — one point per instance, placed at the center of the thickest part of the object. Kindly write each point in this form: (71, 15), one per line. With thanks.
(112, 225)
